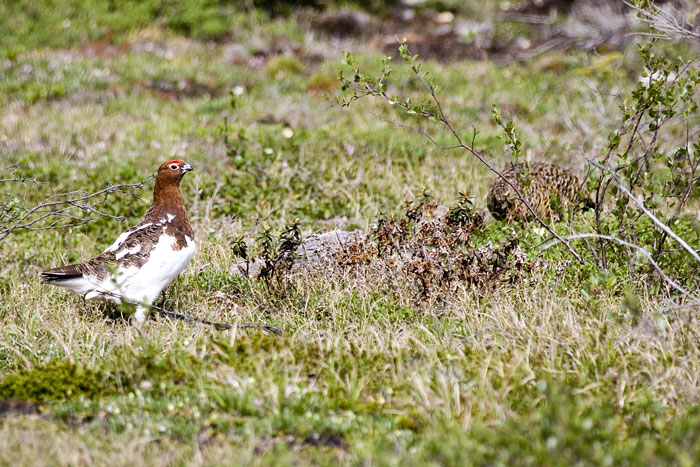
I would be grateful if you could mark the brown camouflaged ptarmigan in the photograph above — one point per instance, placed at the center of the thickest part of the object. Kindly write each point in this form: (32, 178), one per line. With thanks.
(546, 182)
(143, 260)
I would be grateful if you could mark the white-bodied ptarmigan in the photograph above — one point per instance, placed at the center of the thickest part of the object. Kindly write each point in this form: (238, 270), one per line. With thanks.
(143, 260)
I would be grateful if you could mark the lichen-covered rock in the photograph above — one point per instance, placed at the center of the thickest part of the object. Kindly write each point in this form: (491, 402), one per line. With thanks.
(313, 253)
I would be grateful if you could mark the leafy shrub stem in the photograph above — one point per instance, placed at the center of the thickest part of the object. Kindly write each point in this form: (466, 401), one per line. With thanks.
(364, 85)
(646, 212)
(671, 282)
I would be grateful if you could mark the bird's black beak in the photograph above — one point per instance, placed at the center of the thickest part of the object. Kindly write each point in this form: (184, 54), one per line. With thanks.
(186, 168)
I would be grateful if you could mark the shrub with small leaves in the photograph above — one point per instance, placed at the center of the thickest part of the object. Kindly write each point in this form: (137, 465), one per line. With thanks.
(655, 156)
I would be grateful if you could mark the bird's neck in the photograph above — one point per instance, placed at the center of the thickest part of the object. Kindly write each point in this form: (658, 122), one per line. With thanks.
(167, 204)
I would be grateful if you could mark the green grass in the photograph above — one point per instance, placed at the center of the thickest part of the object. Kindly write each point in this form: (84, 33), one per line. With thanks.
(560, 368)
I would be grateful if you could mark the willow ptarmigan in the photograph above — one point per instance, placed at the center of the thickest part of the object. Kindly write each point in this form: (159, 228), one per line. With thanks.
(143, 260)
(546, 181)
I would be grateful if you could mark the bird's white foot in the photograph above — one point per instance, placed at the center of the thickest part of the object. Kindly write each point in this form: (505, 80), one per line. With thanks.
(139, 316)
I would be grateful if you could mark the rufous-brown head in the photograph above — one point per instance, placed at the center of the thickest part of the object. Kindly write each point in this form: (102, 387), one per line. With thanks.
(172, 172)
(166, 193)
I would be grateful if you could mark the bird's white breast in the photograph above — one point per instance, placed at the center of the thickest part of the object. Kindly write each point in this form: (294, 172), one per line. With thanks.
(145, 283)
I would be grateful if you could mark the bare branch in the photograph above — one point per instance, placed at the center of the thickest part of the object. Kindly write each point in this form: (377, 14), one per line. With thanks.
(666, 21)
(194, 320)
(648, 213)
(641, 250)
(58, 211)
(419, 131)
(13, 168)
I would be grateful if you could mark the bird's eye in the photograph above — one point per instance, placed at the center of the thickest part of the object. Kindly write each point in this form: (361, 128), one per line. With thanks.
(173, 166)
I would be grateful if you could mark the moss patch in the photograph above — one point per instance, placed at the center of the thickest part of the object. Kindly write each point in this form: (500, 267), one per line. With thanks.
(56, 380)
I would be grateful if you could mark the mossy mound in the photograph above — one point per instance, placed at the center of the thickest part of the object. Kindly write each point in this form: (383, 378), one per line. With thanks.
(56, 380)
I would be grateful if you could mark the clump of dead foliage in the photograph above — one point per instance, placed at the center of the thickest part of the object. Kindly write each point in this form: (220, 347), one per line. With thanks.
(431, 250)
(427, 250)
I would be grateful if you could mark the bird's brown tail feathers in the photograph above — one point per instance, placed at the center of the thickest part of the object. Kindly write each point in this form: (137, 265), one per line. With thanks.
(71, 271)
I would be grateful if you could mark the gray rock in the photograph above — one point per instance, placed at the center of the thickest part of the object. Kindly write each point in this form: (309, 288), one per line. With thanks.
(316, 250)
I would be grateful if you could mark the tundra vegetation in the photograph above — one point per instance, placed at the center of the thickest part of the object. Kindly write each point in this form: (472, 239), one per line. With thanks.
(441, 337)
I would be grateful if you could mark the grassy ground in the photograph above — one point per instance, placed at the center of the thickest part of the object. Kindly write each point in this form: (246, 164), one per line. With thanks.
(542, 371)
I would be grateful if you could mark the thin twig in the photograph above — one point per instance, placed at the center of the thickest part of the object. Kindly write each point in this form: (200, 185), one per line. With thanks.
(417, 130)
(193, 320)
(667, 25)
(638, 248)
(439, 114)
(57, 206)
(13, 168)
(648, 213)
